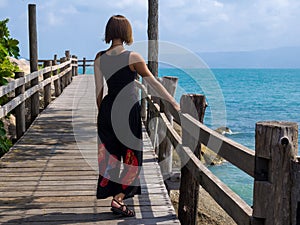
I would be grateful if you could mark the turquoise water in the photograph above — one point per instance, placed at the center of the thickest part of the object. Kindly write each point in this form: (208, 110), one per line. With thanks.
(249, 96)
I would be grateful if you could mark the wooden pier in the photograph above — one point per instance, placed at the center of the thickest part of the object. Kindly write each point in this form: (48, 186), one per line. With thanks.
(50, 174)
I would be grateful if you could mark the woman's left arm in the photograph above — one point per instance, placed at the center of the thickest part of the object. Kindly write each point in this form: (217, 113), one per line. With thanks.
(98, 80)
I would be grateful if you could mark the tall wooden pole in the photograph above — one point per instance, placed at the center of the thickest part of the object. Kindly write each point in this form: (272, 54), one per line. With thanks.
(20, 109)
(33, 54)
(153, 36)
(195, 105)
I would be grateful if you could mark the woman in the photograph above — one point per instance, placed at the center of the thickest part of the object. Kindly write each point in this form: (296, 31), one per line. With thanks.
(119, 120)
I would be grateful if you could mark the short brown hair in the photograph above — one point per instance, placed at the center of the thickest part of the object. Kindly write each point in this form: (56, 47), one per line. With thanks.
(118, 26)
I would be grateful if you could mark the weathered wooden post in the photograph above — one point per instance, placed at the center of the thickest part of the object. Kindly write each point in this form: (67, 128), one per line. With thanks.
(20, 109)
(67, 54)
(74, 65)
(57, 86)
(143, 103)
(54, 62)
(33, 47)
(76, 68)
(69, 74)
(153, 36)
(194, 105)
(63, 78)
(83, 65)
(296, 192)
(165, 148)
(276, 147)
(47, 88)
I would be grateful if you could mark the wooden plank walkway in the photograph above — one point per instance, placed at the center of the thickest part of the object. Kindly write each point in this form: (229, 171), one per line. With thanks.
(50, 175)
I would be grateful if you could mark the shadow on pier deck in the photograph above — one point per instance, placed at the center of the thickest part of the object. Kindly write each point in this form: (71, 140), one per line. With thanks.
(50, 175)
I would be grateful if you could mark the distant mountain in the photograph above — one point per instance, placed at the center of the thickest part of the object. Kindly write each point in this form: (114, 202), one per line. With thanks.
(287, 57)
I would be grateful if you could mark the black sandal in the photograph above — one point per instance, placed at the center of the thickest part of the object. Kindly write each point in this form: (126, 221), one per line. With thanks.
(122, 210)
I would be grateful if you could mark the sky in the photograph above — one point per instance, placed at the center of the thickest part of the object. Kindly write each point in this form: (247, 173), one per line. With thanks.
(198, 25)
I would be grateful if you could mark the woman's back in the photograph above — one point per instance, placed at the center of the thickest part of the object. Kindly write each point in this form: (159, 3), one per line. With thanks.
(118, 75)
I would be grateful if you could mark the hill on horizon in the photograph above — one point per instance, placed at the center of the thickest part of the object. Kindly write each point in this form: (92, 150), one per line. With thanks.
(285, 57)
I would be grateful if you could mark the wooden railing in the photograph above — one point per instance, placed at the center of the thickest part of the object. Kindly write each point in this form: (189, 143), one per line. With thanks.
(23, 89)
(84, 63)
(274, 164)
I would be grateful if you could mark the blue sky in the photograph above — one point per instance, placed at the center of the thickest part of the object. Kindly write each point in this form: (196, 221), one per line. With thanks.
(199, 25)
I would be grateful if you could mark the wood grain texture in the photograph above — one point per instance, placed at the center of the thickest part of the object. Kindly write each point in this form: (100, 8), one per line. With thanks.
(50, 174)
(276, 150)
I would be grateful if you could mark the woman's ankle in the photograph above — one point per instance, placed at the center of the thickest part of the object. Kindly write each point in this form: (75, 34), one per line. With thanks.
(119, 197)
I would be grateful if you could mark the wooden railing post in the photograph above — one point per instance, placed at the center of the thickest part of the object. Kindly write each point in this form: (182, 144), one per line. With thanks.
(275, 150)
(20, 109)
(57, 86)
(73, 65)
(54, 62)
(143, 103)
(47, 88)
(165, 147)
(69, 74)
(67, 54)
(63, 78)
(35, 106)
(194, 105)
(84, 65)
(296, 192)
(76, 68)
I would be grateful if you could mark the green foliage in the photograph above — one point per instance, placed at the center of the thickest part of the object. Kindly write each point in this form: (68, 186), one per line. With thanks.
(8, 47)
(8, 43)
(5, 143)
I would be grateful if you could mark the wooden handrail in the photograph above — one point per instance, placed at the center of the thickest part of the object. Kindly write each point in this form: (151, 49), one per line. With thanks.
(262, 164)
(59, 74)
(225, 197)
(11, 86)
(235, 153)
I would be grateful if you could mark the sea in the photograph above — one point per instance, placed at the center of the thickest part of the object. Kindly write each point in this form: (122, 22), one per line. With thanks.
(238, 99)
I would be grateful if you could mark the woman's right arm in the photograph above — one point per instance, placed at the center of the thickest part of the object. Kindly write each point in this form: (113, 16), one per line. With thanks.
(98, 80)
(138, 64)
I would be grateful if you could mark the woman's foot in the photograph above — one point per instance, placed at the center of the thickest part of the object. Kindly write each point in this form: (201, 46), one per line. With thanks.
(121, 209)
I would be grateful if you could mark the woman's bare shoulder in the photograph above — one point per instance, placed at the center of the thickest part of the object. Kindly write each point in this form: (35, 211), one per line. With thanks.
(135, 57)
(98, 55)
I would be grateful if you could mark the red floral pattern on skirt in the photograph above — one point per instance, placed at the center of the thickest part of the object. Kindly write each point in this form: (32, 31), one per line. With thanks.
(131, 169)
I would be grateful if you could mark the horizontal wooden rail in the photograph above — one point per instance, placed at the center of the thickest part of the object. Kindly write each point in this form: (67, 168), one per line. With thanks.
(235, 153)
(274, 165)
(87, 60)
(11, 86)
(8, 107)
(59, 75)
(236, 207)
(86, 65)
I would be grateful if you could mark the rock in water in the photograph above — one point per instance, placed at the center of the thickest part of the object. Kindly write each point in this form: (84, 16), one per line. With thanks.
(224, 130)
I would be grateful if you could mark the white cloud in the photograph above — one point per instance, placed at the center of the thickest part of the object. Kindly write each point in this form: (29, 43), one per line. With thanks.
(3, 3)
(200, 25)
(69, 10)
(231, 25)
(54, 20)
(130, 3)
(56, 12)
(218, 4)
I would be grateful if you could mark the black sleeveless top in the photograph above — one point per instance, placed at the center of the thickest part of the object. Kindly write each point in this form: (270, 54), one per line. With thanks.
(118, 75)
